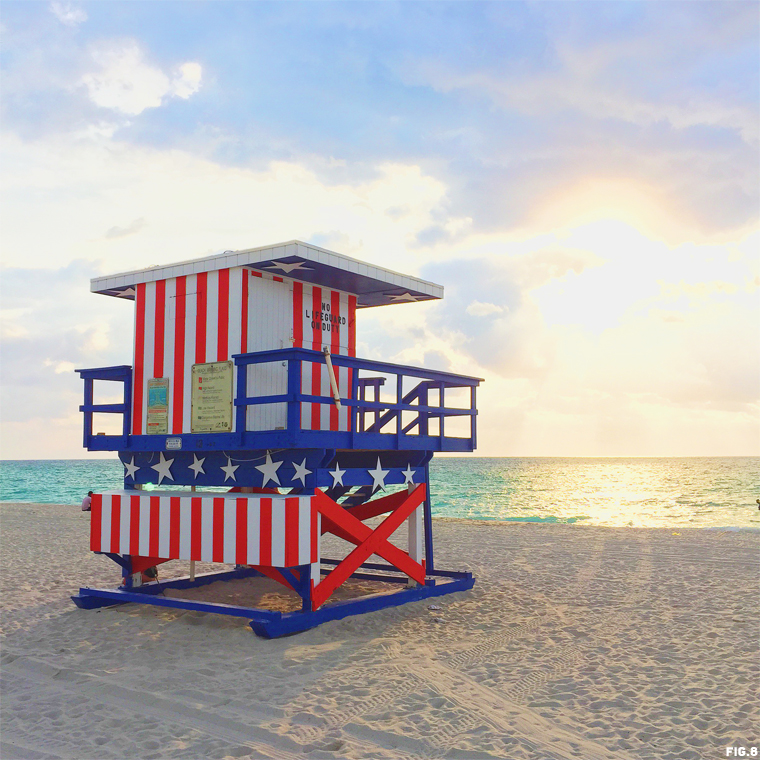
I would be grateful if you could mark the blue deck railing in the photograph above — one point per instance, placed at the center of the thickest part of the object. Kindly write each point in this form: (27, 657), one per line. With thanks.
(414, 418)
(386, 429)
(121, 374)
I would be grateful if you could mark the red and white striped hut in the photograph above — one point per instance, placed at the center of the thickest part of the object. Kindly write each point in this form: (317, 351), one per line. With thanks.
(245, 374)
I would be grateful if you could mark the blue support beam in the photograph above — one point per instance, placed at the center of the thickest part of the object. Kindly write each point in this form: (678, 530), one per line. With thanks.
(271, 624)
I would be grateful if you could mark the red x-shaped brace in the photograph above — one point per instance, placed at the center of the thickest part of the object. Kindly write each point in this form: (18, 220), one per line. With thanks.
(367, 542)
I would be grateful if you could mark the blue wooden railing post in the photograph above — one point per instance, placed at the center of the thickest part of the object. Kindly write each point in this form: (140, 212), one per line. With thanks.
(424, 416)
(354, 421)
(441, 386)
(127, 418)
(473, 418)
(399, 397)
(241, 411)
(294, 389)
(88, 403)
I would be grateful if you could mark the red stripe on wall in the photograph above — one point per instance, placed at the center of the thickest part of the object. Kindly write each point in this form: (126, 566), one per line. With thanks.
(314, 537)
(256, 274)
(115, 522)
(200, 319)
(195, 528)
(222, 345)
(217, 545)
(352, 325)
(158, 345)
(96, 521)
(177, 397)
(134, 525)
(316, 344)
(298, 315)
(139, 371)
(335, 349)
(265, 532)
(277, 279)
(174, 526)
(291, 532)
(244, 315)
(155, 502)
(241, 531)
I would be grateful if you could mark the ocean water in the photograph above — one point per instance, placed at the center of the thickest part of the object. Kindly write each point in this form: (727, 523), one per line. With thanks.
(656, 492)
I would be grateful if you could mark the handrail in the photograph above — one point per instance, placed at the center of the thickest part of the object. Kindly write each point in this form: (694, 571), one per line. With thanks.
(358, 406)
(354, 362)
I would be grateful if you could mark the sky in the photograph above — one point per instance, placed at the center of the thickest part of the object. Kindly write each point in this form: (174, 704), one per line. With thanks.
(582, 178)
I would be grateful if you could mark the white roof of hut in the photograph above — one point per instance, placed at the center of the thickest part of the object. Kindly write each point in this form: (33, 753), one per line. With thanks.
(373, 286)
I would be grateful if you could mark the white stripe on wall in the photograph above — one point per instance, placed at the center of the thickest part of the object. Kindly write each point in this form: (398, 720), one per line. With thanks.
(184, 528)
(191, 307)
(304, 530)
(105, 525)
(278, 532)
(254, 512)
(150, 334)
(207, 529)
(230, 530)
(143, 545)
(124, 525)
(164, 520)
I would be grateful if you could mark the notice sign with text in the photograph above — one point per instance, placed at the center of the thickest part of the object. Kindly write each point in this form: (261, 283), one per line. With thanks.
(211, 398)
(158, 406)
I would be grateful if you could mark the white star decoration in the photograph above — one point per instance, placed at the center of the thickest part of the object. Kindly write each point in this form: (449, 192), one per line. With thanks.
(131, 468)
(404, 297)
(408, 474)
(197, 466)
(229, 470)
(269, 470)
(128, 293)
(301, 472)
(337, 475)
(288, 268)
(378, 475)
(163, 468)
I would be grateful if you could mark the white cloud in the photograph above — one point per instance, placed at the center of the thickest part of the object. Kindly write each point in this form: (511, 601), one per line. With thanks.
(67, 13)
(130, 229)
(479, 309)
(188, 81)
(125, 82)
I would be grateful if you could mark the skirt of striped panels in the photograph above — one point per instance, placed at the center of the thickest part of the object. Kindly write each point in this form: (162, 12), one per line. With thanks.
(276, 531)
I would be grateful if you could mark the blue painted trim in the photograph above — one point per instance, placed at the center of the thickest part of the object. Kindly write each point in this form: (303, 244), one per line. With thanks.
(121, 597)
(295, 622)
(267, 623)
(282, 439)
(122, 562)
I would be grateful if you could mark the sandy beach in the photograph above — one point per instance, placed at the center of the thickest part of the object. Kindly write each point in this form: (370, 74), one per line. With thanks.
(576, 642)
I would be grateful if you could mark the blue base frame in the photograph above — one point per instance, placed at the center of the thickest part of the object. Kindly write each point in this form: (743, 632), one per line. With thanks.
(267, 623)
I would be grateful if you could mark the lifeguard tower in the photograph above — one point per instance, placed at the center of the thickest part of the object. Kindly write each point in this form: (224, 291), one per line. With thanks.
(245, 377)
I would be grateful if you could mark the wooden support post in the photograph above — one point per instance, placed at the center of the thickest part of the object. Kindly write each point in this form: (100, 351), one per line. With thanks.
(316, 566)
(414, 526)
(192, 561)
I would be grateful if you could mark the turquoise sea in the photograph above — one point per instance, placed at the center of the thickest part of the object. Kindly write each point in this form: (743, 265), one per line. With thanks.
(657, 492)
